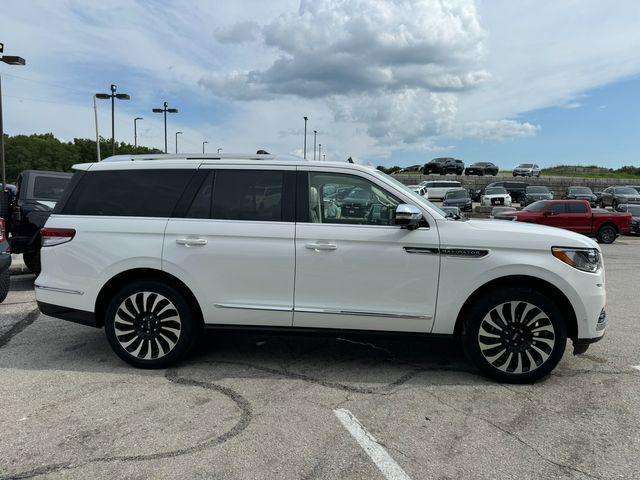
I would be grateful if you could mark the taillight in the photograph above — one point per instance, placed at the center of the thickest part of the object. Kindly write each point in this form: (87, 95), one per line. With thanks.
(3, 231)
(56, 236)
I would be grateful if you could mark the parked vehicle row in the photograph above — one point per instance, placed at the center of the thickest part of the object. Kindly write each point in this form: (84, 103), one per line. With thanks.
(512, 293)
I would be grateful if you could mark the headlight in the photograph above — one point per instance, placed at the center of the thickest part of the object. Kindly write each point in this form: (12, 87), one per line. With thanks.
(585, 259)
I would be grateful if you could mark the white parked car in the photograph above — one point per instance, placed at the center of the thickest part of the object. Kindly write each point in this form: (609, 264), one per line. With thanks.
(493, 196)
(156, 248)
(436, 190)
(419, 189)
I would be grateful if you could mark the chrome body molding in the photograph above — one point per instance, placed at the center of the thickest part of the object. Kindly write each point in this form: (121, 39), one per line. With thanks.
(333, 311)
(449, 252)
(59, 290)
(250, 306)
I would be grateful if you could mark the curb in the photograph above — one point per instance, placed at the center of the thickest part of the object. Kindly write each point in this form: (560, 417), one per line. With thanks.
(17, 265)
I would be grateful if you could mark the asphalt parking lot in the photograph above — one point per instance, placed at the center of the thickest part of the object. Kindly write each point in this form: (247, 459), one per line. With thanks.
(260, 406)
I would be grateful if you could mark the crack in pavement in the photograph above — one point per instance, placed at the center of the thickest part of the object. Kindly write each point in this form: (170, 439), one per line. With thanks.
(517, 438)
(27, 320)
(172, 376)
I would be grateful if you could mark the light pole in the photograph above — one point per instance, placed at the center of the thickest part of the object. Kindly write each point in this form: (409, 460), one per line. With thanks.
(135, 131)
(203, 146)
(305, 137)
(219, 150)
(113, 95)
(9, 60)
(95, 113)
(177, 133)
(315, 134)
(319, 151)
(165, 110)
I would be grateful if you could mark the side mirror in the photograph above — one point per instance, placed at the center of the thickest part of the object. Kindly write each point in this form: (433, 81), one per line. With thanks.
(408, 216)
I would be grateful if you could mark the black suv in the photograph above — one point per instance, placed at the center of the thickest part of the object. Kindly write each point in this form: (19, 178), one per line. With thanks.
(36, 195)
(515, 189)
(443, 166)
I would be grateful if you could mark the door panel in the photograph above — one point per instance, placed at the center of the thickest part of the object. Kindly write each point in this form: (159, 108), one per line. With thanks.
(354, 269)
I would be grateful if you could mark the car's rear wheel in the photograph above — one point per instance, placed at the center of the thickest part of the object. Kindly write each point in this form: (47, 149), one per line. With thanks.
(5, 283)
(606, 234)
(149, 324)
(516, 335)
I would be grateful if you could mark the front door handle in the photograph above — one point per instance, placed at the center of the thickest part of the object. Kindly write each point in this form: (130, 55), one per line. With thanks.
(318, 246)
(191, 242)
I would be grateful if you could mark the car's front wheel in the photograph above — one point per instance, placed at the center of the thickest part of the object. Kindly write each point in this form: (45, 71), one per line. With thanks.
(606, 234)
(516, 335)
(149, 324)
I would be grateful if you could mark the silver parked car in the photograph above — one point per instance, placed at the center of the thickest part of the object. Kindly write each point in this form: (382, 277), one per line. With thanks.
(527, 170)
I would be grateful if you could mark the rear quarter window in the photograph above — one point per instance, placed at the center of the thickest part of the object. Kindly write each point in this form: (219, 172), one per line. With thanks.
(128, 193)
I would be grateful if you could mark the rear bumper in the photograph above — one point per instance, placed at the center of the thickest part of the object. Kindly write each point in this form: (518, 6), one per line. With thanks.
(70, 314)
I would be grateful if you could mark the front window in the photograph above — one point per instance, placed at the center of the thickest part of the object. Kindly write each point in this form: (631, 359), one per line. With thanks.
(626, 191)
(365, 203)
(419, 198)
(580, 191)
(49, 188)
(495, 191)
(634, 210)
(526, 165)
(537, 190)
(457, 194)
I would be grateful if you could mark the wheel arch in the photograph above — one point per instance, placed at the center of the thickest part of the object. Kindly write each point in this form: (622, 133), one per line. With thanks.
(543, 286)
(609, 224)
(118, 281)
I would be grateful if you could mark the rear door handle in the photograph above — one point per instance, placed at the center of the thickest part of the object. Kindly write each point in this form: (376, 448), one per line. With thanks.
(317, 246)
(191, 242)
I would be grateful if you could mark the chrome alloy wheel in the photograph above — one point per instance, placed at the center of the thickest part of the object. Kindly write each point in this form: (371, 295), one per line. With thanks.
(147, 325)
(516, 337)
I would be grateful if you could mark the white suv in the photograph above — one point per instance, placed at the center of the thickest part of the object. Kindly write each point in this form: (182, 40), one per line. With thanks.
(155, 248)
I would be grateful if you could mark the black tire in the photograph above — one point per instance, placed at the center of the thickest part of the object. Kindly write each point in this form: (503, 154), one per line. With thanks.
(32, 261)
(150, 325)
(607, 234)
(5, 284)
(536, 336)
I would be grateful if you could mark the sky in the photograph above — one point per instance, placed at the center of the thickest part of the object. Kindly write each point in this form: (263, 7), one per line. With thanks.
(386, 82)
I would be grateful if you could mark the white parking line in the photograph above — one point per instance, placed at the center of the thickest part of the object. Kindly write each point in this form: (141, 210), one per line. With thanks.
(387, 465)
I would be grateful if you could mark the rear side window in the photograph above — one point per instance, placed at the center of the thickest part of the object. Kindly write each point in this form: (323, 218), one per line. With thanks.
(559, 208)
(49, 187)
(248, 195)
(575, 207)
(128, 193)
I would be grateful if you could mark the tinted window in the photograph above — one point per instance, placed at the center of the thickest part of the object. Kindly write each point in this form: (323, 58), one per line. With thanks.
(626, 191)
(558, 208)
(248, 195)
(576, 207)
(128, 193)
(495, 191)
(457, 194)
(536, 206)
(366, 203)
(537, 189)
(580, 190)
(201, 205)
(49, 188)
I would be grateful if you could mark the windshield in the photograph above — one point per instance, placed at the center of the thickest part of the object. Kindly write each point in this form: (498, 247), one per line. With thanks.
(634, 210)
(537, 190)
(419, 198)
(457, 194)
(525, 165)
(626, 191)
(495, 191)
(580, 191)
(536, 206)
(451, 184)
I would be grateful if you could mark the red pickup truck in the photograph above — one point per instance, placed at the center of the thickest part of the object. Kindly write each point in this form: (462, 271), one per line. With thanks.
(574, 215)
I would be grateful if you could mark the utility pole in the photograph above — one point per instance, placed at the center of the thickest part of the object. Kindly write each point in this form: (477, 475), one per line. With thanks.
(165, 110)
(95, 113)
(135, 131)
(9, 60)
(319, 151)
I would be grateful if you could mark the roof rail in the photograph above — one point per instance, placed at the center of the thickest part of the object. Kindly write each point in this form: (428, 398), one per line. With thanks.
(259, 155)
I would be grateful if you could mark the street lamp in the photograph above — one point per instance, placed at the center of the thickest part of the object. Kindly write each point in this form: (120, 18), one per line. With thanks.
(9, 60)
(219, 150)
(319, 151)
(135, 131)
(165, 110)
(315, 134)
(177, 133)
(203, 146)
(113, 95)
(305, 137)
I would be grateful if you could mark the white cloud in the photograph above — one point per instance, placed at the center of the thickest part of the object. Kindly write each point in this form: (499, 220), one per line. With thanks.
(498, 129)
